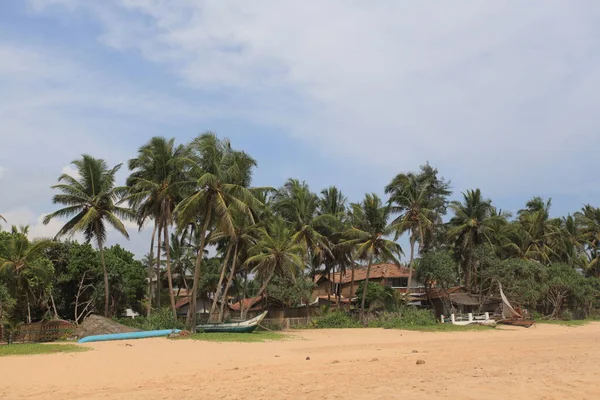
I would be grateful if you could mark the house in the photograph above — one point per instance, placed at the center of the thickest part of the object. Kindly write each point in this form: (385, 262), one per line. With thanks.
(203, 305)
(392, 275)
(458, 300)
(257, 305)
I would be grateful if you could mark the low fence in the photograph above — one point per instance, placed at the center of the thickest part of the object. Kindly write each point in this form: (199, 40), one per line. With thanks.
(465, 318)
(47, 331)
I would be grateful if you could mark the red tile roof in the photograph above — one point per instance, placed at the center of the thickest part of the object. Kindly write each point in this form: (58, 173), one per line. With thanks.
(248, 303)
(378, 271)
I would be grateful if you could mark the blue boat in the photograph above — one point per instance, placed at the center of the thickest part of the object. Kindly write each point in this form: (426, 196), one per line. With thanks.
(128, 335)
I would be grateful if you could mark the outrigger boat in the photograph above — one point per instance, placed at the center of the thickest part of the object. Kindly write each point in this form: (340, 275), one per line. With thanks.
(247, 326)
(512, 316)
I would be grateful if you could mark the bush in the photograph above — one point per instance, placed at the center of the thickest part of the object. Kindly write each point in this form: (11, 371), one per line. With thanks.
(566, 315)
(407, 316)
(334, 319)
(159, 319)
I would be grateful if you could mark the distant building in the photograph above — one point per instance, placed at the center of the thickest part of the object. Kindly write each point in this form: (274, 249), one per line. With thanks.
(392, 275)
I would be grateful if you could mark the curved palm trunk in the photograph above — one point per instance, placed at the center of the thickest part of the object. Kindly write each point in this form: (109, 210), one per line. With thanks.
(242, 310)
(158, 282)
(191, 317)
(364, 293)
(105, 272)
(149, 306)
(169, 276)
(229, 280)
(351, 286)
(411, 263)
(213, 306)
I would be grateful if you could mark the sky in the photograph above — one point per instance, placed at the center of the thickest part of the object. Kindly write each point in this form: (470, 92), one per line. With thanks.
(498, 95)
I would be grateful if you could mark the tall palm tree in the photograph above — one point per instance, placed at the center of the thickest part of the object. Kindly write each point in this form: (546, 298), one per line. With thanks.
(589, 221)
(472, 224)
(409, 197)
(333, 203)
(298, 206)
(91, 203)
(155, 189)
(542, 234)
(276, 252)
(21, 255)
(221, 177)
(368, 235)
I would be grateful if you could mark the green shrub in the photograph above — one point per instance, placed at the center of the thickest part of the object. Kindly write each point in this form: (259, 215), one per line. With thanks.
(566, 315)
(407, 316)
(334, 319)
(159, 319)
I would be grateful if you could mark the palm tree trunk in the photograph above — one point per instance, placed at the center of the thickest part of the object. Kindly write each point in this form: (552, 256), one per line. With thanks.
(364, 293)
(169, 276)
(149, 306)
(213, 307)
(265, 284)
(329, 286)
(105, 272)
(351, 285)
(411, 263)
(242, 310)
(229, 280)
(158, 282)
(53, 306)
(191, 317)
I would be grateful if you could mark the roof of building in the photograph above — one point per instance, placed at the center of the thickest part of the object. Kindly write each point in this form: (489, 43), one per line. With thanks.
(248, 303)
(378, 271)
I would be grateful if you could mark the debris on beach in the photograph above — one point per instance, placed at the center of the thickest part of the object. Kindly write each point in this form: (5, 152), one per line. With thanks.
(97, 325)
(420, 362)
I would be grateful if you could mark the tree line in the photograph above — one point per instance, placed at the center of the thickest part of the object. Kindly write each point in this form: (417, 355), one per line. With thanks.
(200, 196)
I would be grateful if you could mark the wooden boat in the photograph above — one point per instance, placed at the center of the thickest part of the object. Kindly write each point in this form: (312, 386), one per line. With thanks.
(247, 326)
(525, 323)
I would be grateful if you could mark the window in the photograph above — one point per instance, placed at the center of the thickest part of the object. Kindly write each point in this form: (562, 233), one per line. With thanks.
(398, 282)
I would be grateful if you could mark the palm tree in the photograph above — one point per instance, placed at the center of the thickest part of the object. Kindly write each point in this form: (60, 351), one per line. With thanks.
(589, 221)
(276, 252)
(90, 200)
(370, 228)
(542, 235)
(473, 224)
(333, 203)
(298, 206)
(21, 255)
(220, 185)
(409, 197)
(155, 189)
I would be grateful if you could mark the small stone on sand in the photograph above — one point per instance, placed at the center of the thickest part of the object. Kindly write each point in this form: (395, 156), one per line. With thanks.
(419, 362)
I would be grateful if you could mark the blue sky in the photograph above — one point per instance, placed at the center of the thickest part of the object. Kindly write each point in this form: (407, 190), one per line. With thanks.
(500, 95)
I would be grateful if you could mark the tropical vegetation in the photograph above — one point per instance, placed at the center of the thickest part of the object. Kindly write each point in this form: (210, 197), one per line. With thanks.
(216, 236)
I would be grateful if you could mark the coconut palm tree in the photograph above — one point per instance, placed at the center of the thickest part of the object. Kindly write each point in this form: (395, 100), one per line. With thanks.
(589, 221)
(333, 203)
(21, 255)
(276, 252)
(154, 188)
(91, 200)
(368, 236)
(221, 177)
(473, 223)
(542, 234)
(409, 197)
(298, 206)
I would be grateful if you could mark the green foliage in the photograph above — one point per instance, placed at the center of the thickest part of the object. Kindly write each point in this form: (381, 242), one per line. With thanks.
(254, 337)
(290, 292)
(159, 319)
(438, 268)
(378, 296)
(406, 316)
(334, 319)
(127, 280)
(38, 348)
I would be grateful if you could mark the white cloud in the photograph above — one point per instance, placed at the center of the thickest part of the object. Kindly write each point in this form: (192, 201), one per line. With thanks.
(69, 170)
(492, 92)
(2, 172)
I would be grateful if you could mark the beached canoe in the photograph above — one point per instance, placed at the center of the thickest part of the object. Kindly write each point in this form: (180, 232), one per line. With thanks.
(128, 335)
(233, 327)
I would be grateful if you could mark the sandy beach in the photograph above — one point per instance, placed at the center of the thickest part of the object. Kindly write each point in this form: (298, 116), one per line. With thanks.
(543, 362)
